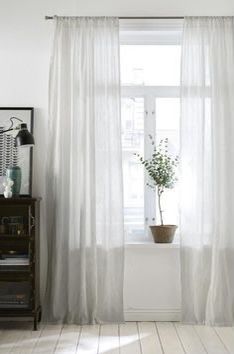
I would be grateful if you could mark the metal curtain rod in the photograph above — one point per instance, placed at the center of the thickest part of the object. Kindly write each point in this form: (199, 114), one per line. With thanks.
(136, 18)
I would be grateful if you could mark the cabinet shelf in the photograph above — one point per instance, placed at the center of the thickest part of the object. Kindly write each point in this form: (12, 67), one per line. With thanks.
(14, 237)
(16, 277)
(17, 269)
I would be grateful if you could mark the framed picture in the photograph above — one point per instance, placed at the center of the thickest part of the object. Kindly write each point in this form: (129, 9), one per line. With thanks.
(16, 156)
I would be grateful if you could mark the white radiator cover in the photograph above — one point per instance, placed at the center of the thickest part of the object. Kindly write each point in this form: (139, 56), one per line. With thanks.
(152, 282)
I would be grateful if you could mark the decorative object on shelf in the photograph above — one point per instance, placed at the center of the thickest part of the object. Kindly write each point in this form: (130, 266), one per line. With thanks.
(161, 169)
(14, 173)
(13, 225)
(19, 258)
(3, 230)
(16, 129)
(8, 187)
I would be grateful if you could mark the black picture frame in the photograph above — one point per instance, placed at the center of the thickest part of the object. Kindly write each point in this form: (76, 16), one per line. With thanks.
(30, 128)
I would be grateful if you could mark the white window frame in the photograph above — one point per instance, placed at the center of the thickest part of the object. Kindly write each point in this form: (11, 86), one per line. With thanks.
(150, 32)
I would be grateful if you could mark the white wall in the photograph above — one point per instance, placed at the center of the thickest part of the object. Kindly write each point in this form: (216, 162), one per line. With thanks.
(25, 42)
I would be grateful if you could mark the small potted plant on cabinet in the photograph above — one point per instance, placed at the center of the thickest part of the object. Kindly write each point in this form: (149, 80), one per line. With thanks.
(161, 169)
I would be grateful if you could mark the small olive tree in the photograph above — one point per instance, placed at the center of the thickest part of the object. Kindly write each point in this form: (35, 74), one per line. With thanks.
(161, 168)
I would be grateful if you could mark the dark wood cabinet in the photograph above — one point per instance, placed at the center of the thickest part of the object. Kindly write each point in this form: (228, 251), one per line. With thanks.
(19, 258)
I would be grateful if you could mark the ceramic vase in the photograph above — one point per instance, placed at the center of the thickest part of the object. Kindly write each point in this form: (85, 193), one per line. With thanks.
(14, 173)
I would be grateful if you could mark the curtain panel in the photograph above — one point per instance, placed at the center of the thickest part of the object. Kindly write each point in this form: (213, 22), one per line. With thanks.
(84, 179)
(207, 170)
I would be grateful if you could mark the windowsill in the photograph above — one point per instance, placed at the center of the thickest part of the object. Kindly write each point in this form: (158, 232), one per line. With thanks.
(151, 245)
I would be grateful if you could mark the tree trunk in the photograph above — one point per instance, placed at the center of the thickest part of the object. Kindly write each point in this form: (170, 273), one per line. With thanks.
(159, 205)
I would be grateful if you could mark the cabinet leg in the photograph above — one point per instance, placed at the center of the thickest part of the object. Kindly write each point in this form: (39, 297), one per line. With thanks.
(35, 322)
(39, 316)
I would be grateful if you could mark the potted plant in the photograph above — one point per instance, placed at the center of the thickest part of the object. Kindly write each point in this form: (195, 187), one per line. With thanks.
(161, 169)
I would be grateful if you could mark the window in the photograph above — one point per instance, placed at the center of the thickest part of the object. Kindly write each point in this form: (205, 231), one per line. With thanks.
(150, 78)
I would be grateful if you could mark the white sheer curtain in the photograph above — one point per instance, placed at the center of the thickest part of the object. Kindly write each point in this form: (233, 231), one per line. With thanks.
(207, 166)
(84, 184)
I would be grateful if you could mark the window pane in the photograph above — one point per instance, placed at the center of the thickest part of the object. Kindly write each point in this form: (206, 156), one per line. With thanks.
(157, 65)
(132, 112)
(167, 126)
(168, 113)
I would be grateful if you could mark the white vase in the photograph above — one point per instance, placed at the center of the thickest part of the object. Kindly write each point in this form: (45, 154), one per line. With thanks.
(7, 194)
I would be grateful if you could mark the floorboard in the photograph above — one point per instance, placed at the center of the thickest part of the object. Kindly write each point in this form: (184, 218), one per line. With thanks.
(169, 338)
(129, 338)
(48, 339)
(210, 340)
(109, 339)
(190, 339)
(12, 335)
(68, 340)
(226, 335)
(150, 342)
(89, 340)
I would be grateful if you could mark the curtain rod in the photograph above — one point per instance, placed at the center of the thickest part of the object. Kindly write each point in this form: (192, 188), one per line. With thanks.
(135, 18)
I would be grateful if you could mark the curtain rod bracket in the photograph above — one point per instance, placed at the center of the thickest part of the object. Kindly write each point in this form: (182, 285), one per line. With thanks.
(49, 17)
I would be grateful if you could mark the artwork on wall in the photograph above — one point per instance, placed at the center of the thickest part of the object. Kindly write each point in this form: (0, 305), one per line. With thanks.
(12, 156)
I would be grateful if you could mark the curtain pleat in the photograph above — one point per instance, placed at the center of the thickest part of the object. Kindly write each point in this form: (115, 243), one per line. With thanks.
(84, 174)
(207, 171)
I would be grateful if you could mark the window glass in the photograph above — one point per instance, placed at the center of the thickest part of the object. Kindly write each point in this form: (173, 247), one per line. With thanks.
(167, 122)
(132, 110)
(151, 65)
(167, 115)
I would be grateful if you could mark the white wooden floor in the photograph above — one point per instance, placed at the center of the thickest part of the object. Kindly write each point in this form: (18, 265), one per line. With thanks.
(129, 338)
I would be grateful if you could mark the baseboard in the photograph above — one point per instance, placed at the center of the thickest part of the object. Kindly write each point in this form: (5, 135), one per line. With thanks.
(166, 315)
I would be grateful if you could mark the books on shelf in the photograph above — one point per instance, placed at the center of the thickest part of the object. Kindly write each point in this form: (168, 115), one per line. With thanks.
(14, 261)
(14, 294)
(12, 299)
(15, 300)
